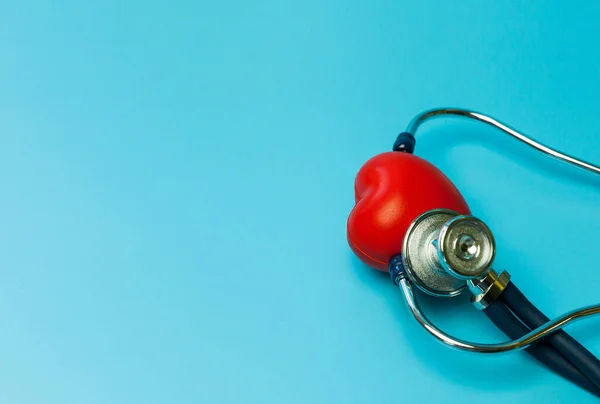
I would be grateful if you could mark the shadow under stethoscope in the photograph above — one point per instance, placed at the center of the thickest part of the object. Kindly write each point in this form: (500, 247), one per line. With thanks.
(435, 142)
(514, 370)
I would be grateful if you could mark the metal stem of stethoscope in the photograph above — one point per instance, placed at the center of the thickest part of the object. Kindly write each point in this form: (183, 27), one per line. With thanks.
(515, 345)
(418, 120)
(405, 285)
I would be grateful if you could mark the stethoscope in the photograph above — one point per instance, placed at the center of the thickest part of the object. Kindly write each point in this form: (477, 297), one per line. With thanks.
(411, 221)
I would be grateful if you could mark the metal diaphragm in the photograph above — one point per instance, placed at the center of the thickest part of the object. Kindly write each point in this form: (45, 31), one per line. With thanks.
(466, 247)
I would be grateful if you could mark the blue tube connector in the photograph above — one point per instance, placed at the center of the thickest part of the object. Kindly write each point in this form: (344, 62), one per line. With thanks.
(405, 142)
(396, 269)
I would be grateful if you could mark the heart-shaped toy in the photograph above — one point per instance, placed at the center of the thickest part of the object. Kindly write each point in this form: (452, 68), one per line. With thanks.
(392, 189)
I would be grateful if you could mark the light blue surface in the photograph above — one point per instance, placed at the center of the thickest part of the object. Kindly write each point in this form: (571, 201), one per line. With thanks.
(176, 178)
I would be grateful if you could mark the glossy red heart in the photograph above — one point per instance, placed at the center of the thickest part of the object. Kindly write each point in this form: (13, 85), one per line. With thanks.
(392, 189)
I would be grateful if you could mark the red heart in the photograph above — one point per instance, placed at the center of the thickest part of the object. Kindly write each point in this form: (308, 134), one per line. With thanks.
(392, 189)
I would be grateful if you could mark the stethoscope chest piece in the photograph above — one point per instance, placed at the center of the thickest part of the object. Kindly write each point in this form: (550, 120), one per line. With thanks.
(442, 250)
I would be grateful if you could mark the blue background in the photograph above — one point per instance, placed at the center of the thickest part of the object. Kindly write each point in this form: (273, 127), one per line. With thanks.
(176, 178)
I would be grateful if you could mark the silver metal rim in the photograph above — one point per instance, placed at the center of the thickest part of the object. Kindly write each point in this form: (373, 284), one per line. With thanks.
(407, 261)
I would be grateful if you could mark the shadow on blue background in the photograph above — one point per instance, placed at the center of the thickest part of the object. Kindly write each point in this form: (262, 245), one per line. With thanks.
(176, 178)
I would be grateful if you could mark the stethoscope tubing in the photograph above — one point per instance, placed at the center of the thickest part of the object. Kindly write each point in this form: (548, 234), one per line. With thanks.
(514, 345)
(425, 116)
(532, 317)
(543, 352)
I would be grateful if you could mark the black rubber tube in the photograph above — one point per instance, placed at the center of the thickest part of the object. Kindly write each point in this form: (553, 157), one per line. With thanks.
(544, 353)
(568, 346)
